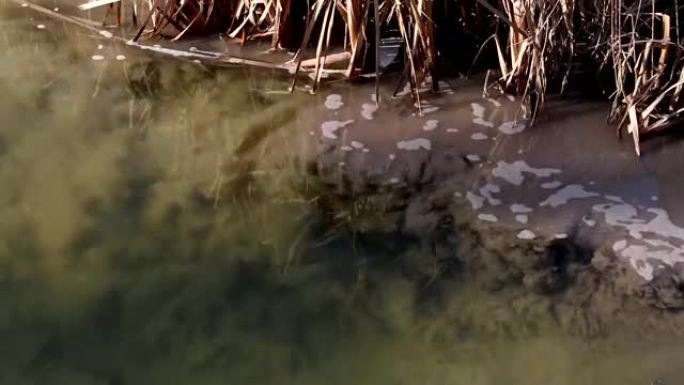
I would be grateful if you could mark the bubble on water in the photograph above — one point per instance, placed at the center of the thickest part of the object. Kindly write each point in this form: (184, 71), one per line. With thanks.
(561, 236)
(120, 57)
(522, 218)
(514, 172)
(487, 190)
(392, 156)
(430, 125)
(566, 194)
(356, 144)
(100, 46)
(368, 110)
(479, 136)
(97, 57)
(40, 26)
(415, 144)
(551, 185)
(478, 109)
(473, 158)
(619, 245)
(518, 208)
(487, 217)
(527, 234)
(329, 128)
(452, 130)
(476, 201)
(333, 102)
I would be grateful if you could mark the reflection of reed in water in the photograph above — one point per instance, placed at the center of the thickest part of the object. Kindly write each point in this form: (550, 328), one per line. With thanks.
(540, 47)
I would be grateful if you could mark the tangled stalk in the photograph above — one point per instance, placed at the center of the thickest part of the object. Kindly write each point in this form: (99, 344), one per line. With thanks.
(539, 44)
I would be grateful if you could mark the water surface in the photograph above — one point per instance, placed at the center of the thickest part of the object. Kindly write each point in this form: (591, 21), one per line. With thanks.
(161, 223)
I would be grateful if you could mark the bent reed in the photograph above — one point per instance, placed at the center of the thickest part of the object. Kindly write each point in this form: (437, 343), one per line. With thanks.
(631, 49)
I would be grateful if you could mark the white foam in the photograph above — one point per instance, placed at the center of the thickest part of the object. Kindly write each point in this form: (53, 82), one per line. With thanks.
(614, 198)
(333, 102)
(487, 190)
(120, 57)
(551, 185)
(513, 172)
(415, 144)
(452, 130)
(476, 201)
(512, 128)
(478, 115)
(479, 136)
(487, 217)
(368, 110)
(430, 125)
(526, 234)
(518, 208)
(329, 128)
(656, 237)
(97, 57)
(620, 245)
(522, 218)
(561, 236)
(357, 145)
(566, 194)
(106, 34)
(478, 109)
(346, 148)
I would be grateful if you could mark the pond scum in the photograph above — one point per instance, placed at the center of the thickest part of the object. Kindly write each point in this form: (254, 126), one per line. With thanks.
(631, 48)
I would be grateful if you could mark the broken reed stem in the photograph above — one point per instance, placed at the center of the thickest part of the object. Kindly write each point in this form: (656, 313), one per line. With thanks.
(638, 41)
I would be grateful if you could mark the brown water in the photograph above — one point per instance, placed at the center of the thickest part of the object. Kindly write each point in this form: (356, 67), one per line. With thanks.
(159, 225)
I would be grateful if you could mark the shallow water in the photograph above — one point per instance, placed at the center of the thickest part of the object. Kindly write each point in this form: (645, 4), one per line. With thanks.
(160, 224)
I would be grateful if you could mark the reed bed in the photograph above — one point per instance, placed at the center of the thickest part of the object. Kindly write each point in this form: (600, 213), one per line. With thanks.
(538, 46)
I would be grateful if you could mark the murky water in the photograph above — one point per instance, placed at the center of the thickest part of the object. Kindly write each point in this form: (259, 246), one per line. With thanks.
(160, 224)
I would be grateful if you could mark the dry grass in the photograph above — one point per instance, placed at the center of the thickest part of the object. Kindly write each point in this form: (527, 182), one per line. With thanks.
(538, 43)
